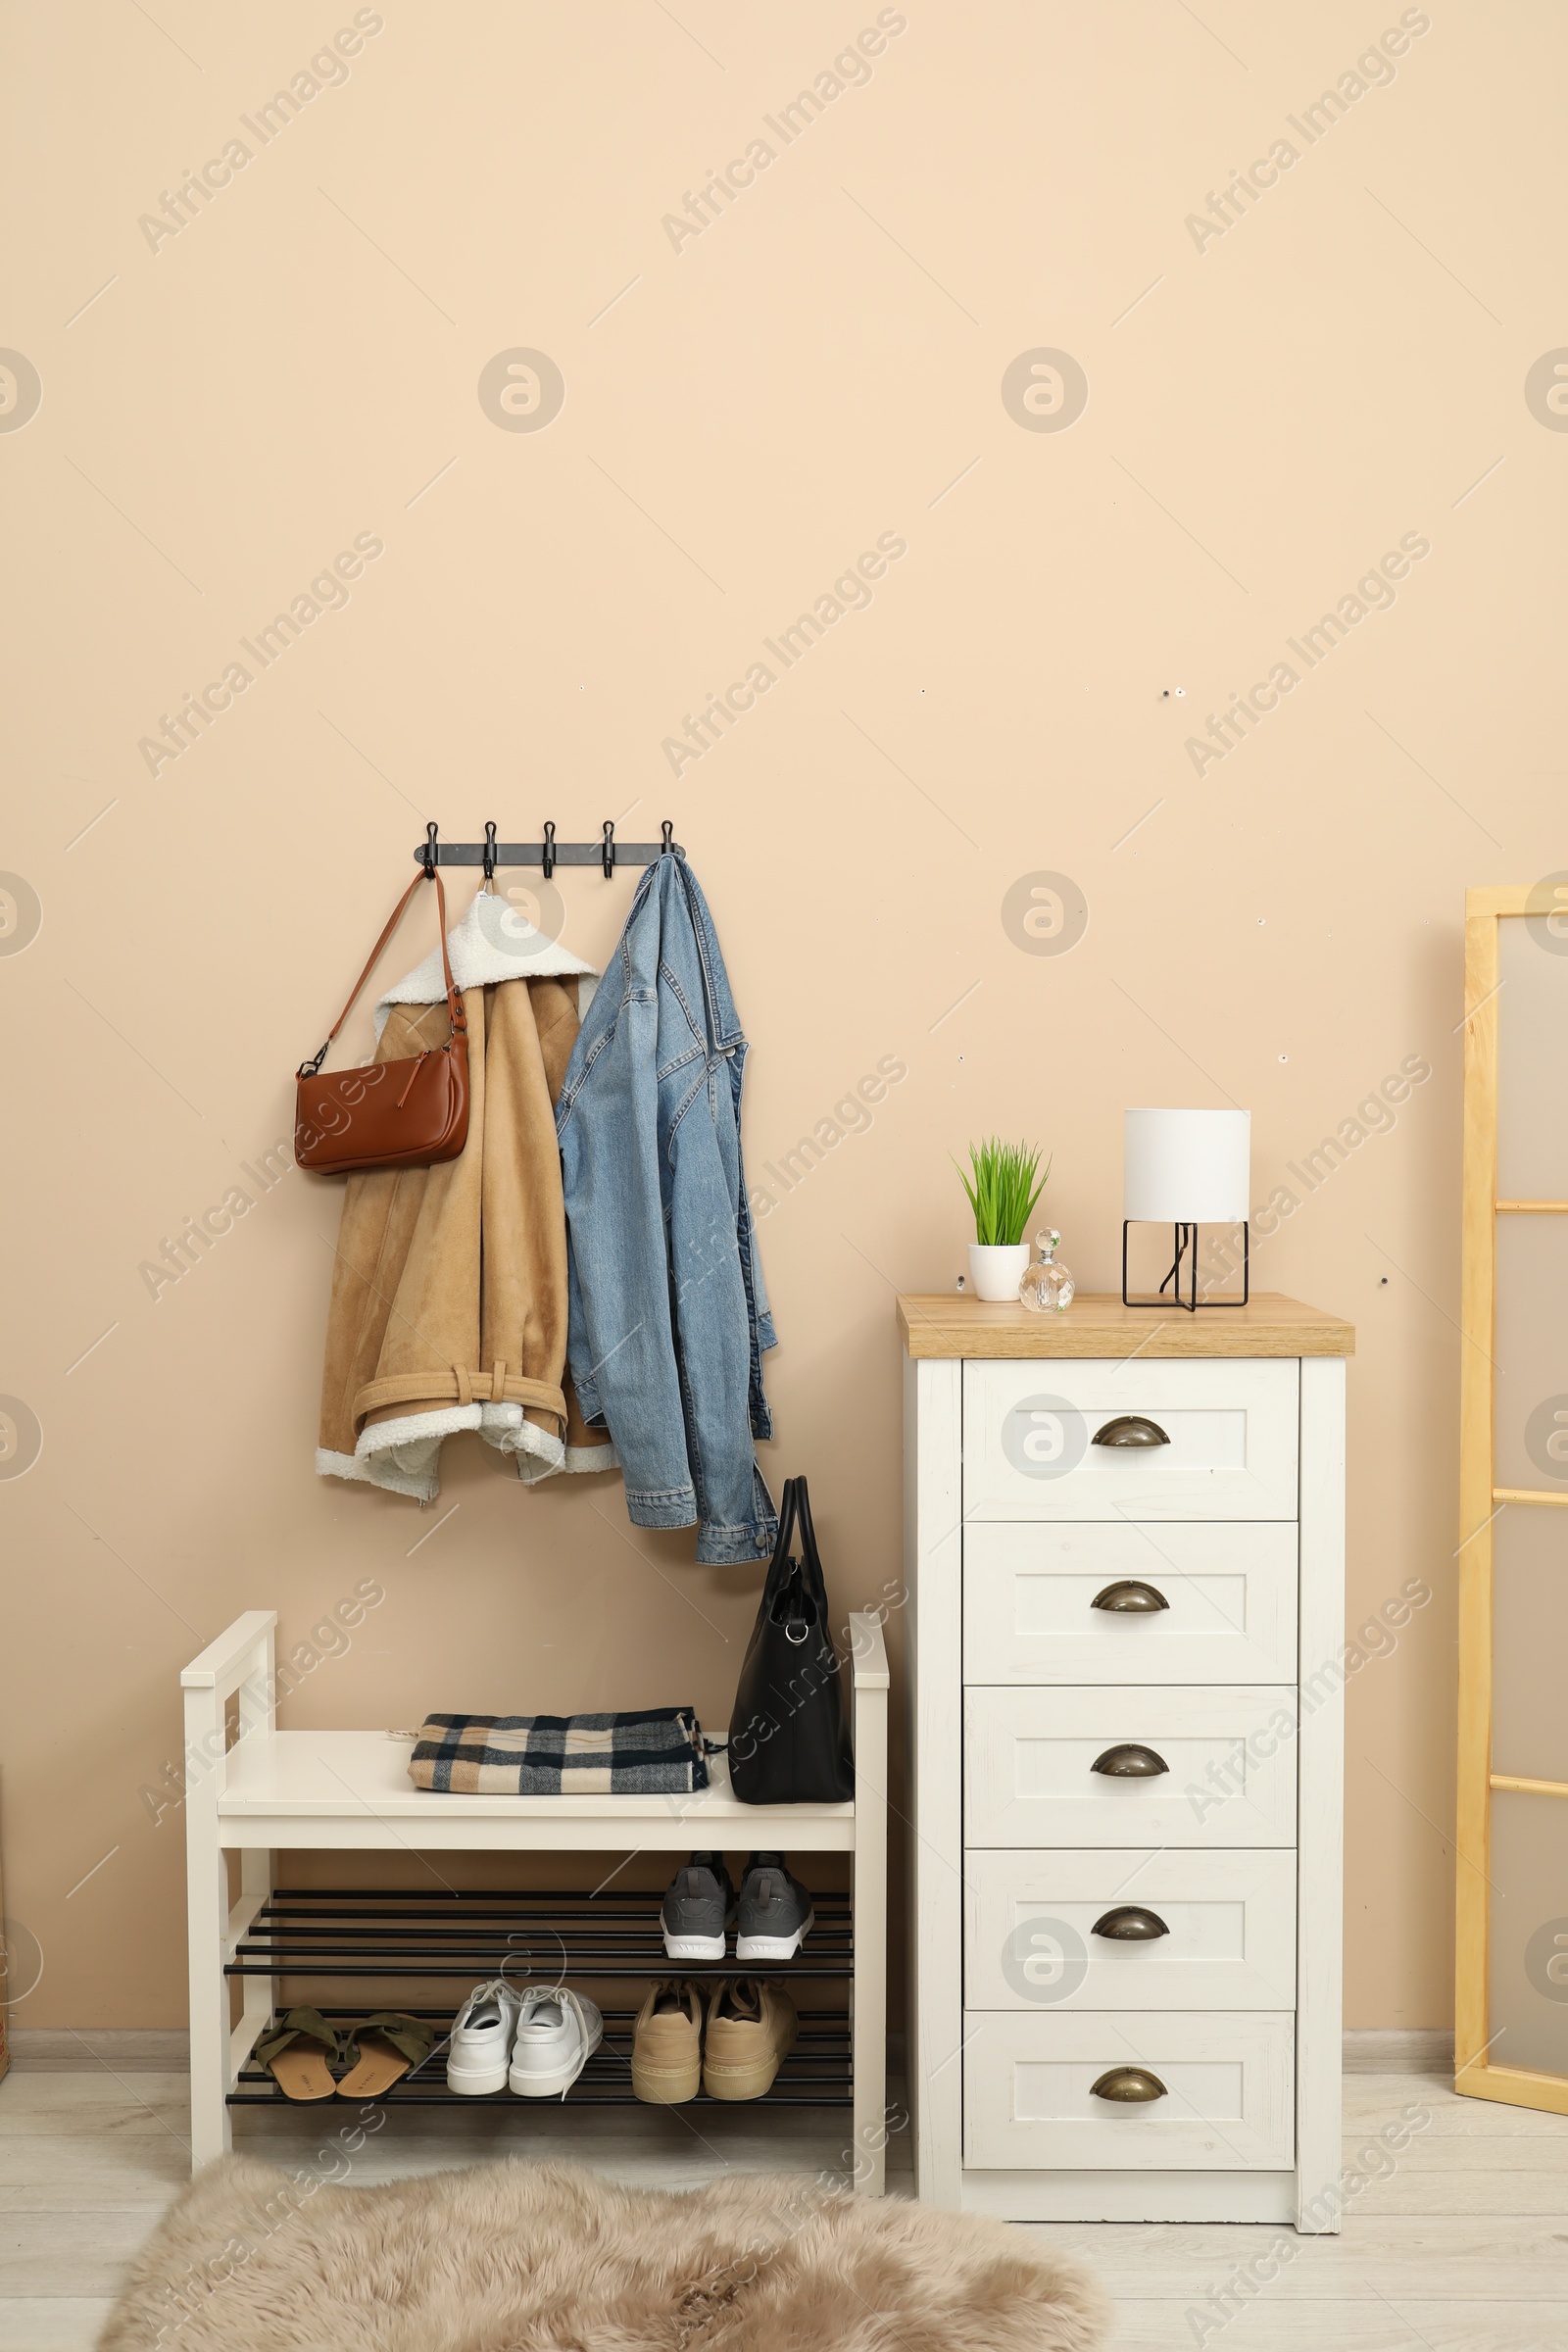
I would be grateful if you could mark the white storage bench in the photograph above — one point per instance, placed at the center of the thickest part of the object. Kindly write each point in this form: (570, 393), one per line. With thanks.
(336, 1791)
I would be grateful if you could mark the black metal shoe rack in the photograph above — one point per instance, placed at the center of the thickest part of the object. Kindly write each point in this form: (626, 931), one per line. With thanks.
(376, 1933)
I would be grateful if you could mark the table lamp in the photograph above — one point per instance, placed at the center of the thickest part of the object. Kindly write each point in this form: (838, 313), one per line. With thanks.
(1187, 1168)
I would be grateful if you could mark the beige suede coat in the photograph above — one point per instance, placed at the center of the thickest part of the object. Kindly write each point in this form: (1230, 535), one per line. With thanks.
(449, 1286)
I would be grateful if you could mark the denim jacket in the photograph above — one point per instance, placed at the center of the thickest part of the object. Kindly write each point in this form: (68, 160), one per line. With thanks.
(667, 1316)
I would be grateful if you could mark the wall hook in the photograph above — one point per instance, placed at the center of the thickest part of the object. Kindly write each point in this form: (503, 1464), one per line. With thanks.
(607, 854)
(548, 860)
(667, 842)
(489, 851)
(427, 854)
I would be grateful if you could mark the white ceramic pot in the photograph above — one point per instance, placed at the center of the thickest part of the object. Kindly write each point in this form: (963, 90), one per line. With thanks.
(995, 1273)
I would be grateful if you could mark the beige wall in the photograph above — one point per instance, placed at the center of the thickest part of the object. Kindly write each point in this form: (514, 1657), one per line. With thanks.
(746, 411)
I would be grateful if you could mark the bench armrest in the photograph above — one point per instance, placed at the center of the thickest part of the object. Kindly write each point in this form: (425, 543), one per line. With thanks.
(223, 1664)
(868, 1655)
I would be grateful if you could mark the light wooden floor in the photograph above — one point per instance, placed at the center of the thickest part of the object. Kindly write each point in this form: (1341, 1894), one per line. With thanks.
(1464, 2248)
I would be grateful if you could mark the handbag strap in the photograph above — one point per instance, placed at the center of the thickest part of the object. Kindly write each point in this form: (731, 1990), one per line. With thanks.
(812, 1582)
(811, 1557)
(779, 1563)
(460, 1019)
(790, 1596)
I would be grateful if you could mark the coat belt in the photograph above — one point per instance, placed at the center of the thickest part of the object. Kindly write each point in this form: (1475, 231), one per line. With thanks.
(457, 1386)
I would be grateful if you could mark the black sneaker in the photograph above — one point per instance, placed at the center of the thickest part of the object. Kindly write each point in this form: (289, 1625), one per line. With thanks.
(775, 1915)
(699, 1905)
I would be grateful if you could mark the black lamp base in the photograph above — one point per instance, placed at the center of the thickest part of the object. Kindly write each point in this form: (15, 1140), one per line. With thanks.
(1185, 1245)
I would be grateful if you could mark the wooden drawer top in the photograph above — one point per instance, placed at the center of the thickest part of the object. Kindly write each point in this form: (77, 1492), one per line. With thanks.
(944, 1323)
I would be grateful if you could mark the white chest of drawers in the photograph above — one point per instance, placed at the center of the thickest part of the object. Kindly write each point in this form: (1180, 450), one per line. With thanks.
(1124, 1543)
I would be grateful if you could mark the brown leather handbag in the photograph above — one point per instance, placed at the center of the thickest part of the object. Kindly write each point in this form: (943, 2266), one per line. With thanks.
(390, 1115)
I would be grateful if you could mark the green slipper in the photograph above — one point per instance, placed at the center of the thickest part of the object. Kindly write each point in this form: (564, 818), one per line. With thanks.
(381, 2049)
(299, 2071)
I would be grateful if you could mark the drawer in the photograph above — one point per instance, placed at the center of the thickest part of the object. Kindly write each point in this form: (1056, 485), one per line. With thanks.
(1228, 1590)
(1034, 1440)
(1228, 1754)
(1029, 1939)
(1226, 2078)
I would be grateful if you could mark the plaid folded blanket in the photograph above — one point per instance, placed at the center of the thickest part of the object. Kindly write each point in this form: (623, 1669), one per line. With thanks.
(659, 1752)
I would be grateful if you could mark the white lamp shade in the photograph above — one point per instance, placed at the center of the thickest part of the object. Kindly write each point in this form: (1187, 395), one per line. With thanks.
(1187, 1167)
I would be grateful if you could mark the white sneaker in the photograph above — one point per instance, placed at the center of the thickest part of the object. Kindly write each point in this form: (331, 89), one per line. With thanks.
(482, 2034)
(558, 2032)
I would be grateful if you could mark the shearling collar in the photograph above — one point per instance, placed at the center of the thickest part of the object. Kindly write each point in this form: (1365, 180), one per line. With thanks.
(495, 941)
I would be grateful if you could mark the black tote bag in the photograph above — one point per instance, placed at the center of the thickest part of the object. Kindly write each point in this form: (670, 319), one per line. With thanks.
(788, 1742)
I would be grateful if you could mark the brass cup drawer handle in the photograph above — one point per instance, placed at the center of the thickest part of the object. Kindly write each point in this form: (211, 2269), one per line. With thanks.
(1130, 1761)
(1129, 1597)
(1132, 2085)
(1130, 1429)
(1129, 1923)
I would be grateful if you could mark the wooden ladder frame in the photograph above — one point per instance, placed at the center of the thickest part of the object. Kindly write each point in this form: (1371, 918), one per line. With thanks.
(1480, 1502)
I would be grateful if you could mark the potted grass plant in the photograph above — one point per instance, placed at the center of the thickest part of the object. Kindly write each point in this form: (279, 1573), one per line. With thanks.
(1005, 1185)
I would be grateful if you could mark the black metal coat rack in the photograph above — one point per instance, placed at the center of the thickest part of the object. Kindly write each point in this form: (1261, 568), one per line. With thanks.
(607, 852)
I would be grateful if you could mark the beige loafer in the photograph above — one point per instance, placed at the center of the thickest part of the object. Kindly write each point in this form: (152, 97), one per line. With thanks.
(752, 2025)
(666, 2044)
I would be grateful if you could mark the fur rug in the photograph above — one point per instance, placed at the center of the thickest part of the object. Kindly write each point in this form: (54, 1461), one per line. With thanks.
(521, 2257)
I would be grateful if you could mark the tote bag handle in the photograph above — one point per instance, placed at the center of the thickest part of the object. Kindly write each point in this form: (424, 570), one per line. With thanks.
(783, 1591)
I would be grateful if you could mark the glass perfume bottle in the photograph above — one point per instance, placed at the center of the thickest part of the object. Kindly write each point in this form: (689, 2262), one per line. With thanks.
(1047, 1285)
